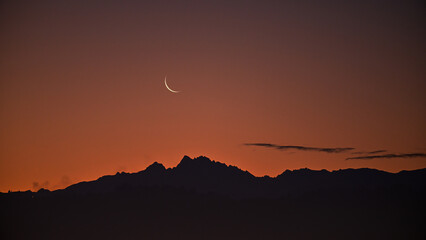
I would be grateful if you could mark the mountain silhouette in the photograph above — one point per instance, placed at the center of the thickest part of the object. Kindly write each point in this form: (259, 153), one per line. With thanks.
(206, 176)
(205, 199)
(199, 174)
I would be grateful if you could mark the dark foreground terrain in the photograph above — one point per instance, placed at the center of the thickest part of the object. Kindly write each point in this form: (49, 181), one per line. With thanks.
(203, 199)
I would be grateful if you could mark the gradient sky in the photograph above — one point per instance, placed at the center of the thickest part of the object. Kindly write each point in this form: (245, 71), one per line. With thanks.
(82, 91)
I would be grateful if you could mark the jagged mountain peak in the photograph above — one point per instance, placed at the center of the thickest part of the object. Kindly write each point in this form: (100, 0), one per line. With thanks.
(201, 160)
(155, 167)
(203, 164)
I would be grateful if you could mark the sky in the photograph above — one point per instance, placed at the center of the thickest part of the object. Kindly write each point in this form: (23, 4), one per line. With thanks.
(264, 85)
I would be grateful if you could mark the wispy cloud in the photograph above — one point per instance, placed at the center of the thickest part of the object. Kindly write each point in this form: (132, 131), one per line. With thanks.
(372, 152)
(300, 148)
(37, 186)
(405, 155)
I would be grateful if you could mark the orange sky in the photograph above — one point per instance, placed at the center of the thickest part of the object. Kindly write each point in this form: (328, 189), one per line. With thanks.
(82, 91)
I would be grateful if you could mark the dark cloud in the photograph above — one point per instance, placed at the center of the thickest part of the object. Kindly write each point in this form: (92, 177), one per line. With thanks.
(301, 148)
(372, 152)
(37, 186)
(405, 155)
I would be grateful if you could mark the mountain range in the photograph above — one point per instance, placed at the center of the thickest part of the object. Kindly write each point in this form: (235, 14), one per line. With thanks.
(206, 176)
(204, 199)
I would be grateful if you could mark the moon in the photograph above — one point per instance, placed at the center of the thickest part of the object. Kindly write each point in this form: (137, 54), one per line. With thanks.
(171, 90)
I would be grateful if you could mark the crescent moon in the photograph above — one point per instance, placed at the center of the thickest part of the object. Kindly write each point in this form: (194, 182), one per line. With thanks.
(171, 90)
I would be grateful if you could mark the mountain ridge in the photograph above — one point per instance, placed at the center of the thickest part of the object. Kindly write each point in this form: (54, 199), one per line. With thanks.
(204, 199)
(207, 176)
